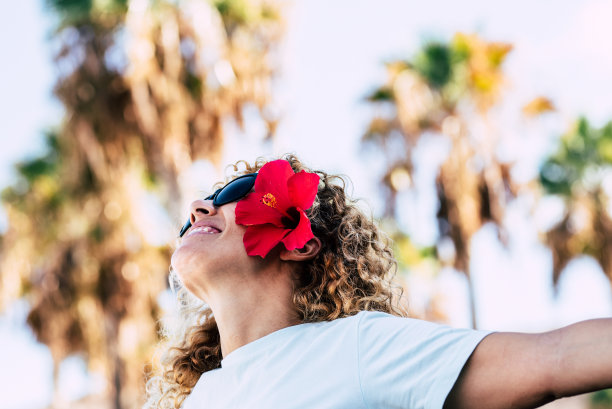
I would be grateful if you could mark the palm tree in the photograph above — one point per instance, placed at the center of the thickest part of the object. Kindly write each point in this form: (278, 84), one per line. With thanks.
(579, 173)
(447, 90)
(147, 88)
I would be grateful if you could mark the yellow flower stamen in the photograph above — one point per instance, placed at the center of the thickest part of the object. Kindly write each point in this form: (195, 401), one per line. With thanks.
(269, 200)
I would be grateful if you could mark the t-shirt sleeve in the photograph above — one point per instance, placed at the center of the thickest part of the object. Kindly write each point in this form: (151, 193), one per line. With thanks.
(409, 363)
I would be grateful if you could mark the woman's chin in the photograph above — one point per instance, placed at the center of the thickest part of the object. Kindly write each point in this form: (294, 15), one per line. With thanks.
(192, 268)
(187, 257)
(176, 261)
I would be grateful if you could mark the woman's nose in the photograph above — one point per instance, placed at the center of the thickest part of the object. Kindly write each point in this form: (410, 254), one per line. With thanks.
(201, 208)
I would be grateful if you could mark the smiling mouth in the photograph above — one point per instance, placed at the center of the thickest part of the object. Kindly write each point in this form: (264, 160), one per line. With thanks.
(204, 230)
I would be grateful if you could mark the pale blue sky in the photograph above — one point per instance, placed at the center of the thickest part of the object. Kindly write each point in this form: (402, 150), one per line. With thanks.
(27, 77)
(332, 57)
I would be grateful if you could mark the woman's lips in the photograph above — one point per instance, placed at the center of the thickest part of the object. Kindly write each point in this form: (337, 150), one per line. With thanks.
(204, 230)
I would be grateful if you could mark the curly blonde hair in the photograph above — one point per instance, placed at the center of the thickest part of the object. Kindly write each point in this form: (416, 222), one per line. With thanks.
(352, 272)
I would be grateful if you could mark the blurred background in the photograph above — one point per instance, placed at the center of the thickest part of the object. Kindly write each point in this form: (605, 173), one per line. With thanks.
(478, 134)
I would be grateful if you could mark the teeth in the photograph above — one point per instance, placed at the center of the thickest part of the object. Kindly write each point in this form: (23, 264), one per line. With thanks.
(204, 229)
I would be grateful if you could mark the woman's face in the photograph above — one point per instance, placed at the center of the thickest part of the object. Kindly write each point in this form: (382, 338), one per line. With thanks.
(212, 249)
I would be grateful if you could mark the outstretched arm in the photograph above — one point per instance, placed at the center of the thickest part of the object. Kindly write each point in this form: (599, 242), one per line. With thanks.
(514, 370)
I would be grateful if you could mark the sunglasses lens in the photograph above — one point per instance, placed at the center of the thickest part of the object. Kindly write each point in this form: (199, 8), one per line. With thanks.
(234, 190)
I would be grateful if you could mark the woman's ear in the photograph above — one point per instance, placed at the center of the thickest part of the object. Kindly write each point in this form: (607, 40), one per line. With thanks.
(308, 252)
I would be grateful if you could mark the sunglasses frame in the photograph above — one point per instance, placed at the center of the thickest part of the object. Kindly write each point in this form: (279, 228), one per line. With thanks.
(218, 203)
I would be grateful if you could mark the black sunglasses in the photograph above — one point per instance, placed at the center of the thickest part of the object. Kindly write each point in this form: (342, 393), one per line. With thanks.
(233, 191)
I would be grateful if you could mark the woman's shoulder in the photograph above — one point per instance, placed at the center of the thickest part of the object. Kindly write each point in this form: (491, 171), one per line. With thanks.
(374, 317)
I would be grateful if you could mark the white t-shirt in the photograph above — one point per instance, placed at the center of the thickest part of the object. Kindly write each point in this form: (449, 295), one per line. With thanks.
(371, 360)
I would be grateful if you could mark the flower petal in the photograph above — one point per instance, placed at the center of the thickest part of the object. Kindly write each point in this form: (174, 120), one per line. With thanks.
(300, 235)
(272, 178)
(259, 240)
(302, 189)
(251, 210)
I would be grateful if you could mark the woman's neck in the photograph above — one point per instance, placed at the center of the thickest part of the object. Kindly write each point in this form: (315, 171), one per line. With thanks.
(249, 309)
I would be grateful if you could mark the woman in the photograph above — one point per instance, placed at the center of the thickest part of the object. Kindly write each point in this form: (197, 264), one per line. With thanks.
(287, 303)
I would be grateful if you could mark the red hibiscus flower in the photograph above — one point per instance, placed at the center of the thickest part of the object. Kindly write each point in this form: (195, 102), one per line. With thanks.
(274, 212)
